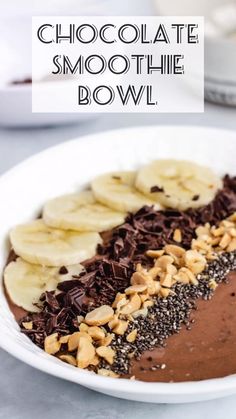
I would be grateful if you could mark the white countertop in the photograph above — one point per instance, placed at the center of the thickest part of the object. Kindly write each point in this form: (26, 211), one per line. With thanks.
(26, 393)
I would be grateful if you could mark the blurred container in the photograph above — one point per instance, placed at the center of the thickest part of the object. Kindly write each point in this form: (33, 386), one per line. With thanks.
(220, 43)
(15, 28)
(15, 48)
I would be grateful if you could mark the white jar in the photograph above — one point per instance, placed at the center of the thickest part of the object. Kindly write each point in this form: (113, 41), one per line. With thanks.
(220, 50)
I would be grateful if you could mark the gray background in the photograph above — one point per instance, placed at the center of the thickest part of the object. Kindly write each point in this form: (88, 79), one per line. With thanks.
(26, 393)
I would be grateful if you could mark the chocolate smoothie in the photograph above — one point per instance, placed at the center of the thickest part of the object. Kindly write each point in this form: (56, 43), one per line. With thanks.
(206, 349)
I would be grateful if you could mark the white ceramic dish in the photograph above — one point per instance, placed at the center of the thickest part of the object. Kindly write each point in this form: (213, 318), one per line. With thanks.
(70, 166)
(16, 110)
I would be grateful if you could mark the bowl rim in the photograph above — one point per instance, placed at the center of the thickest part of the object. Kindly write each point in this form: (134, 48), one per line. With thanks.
(121, 385)
(89, 379)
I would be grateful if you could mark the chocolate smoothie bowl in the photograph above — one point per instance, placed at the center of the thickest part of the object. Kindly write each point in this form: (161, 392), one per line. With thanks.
(134, 277)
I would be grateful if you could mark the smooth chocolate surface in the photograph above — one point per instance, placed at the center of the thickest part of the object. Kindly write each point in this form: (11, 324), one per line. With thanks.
(208, 350)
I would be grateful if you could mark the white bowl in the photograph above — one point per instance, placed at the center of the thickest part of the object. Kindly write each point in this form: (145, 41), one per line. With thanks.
(70, 166)
(16, 111)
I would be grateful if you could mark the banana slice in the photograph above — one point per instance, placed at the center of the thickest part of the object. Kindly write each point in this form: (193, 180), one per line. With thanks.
(37, 243)
(80, 212)
(117, 190)
(178, 184)
(25, 282)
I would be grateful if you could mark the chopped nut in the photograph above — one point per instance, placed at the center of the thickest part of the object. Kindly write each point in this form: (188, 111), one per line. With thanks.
(153, 272)
(195, 261)
(164, 292)
(181, 277)
(157, 286)
(139, 267)
(232, 217)
(148, 303)
(171, 269)
(27, 325)
(211, 256)
(152, 288)
(132, 336)
(174, 251)
(99, 316)
(114, 321)
(200, 245)
(69, 359)
(213, 284)
(144, 296)
(155, 253)
(96, 332)
(166, 281)
(95, 361)
(215, 241)
(52, 344)
(194, 281)
(217, 231)
(74, 339)
(107, 373)
(64, 339)
(163, 261)
(143, 312)
(107, 340)
(80, 319)
(135, 288)
(122, 303)
(133, 305)
(139, 278)
(120, 327)
(177, 236)
(118, 298)
(232, 246)
(83, 327)
(203, 231)
(191, 277)
(227, 223)
(86, 353)
(232, 232)
(225, 241)
(107, 353)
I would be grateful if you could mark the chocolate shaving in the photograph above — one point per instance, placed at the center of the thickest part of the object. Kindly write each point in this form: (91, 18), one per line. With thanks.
(156, 189)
